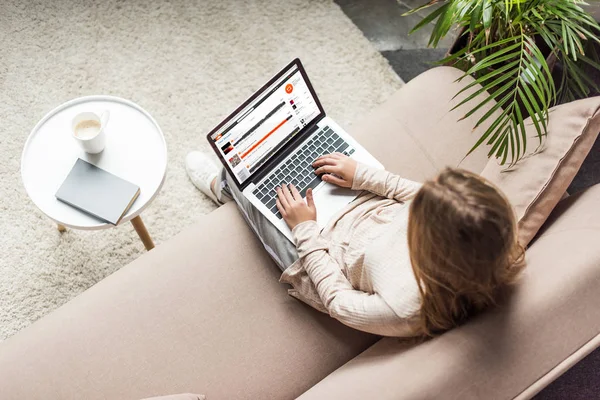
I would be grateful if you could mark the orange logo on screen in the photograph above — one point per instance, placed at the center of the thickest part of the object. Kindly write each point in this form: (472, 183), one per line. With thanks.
(288, 88)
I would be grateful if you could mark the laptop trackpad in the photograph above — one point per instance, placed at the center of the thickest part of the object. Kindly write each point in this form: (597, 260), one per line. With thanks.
(329, 199)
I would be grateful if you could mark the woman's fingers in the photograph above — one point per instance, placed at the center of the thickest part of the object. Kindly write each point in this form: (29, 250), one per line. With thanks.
(325, 160)
(287, 194)
(282, 198)
(310, 200)
(327, 169)
(335, 180)
(281, 208)
(295, 193)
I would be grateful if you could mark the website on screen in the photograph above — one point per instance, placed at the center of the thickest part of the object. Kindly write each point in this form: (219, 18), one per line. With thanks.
(266, 125)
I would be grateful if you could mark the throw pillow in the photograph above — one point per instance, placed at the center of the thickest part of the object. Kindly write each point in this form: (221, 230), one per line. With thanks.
(536, 184)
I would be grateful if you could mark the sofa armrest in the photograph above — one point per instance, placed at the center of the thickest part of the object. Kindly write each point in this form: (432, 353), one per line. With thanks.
(415, 134)
(552, 313)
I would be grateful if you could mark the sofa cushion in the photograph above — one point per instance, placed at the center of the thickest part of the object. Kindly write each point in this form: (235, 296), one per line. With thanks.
(538, 182)
(552, 313)
(420, 135)
(202, 313)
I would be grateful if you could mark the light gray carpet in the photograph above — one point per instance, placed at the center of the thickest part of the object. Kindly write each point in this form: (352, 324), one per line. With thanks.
(189, 63)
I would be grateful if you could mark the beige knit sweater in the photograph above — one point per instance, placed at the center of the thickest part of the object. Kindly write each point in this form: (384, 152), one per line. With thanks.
(357, 269)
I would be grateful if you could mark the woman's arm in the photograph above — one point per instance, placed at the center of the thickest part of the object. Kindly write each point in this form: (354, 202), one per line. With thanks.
(363, 311)
(343, 171)
(384, 183)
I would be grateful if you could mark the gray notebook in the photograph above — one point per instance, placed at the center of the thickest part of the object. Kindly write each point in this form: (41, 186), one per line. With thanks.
(97, 192)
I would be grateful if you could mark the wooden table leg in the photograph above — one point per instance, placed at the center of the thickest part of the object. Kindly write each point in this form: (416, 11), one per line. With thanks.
(142, 232)
(61, 228)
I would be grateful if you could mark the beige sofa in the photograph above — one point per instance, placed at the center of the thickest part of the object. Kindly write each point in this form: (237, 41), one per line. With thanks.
(204, 312)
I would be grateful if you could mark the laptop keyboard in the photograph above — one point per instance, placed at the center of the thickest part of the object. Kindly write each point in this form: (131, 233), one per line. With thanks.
(298, 169)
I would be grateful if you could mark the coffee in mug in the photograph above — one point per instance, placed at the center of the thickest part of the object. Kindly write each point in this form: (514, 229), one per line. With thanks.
(89, 131)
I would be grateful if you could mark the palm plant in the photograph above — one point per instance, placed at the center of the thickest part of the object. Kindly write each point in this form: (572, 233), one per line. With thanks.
(511, 48)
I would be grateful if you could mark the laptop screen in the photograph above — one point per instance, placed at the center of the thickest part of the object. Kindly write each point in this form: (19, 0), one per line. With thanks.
(250, 137)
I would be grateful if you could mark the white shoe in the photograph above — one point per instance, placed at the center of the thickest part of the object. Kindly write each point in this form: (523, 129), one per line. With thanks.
(202, 171)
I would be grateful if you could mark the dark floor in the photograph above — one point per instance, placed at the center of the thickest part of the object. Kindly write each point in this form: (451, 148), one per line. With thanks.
(381, 21)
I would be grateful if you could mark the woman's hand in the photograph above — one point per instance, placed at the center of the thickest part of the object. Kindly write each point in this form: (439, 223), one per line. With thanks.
(342, 167)
(292, 207)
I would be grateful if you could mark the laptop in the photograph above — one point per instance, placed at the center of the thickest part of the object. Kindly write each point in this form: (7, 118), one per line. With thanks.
(274, 137)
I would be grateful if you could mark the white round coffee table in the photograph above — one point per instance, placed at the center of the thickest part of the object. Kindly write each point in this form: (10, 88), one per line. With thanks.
(135, 151)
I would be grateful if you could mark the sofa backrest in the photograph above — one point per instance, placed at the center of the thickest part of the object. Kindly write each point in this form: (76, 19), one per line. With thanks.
(415, 135)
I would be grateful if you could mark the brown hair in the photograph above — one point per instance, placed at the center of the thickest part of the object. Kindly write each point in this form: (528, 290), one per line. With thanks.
(462, 236)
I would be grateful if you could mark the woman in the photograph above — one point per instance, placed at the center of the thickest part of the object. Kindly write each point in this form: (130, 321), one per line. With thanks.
(402, 259)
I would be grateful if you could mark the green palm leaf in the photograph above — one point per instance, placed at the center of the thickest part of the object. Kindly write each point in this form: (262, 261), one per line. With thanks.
(501, 50)
(527, 85)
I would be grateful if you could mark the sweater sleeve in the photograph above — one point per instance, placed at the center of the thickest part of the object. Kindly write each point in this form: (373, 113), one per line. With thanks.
(384, 183)
(357, 309)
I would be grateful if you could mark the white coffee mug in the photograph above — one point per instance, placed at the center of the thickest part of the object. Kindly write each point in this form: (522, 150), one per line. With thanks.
(89, 131)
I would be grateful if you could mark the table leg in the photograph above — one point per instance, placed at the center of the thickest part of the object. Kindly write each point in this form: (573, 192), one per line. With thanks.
(142, 232)
(61, 228)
